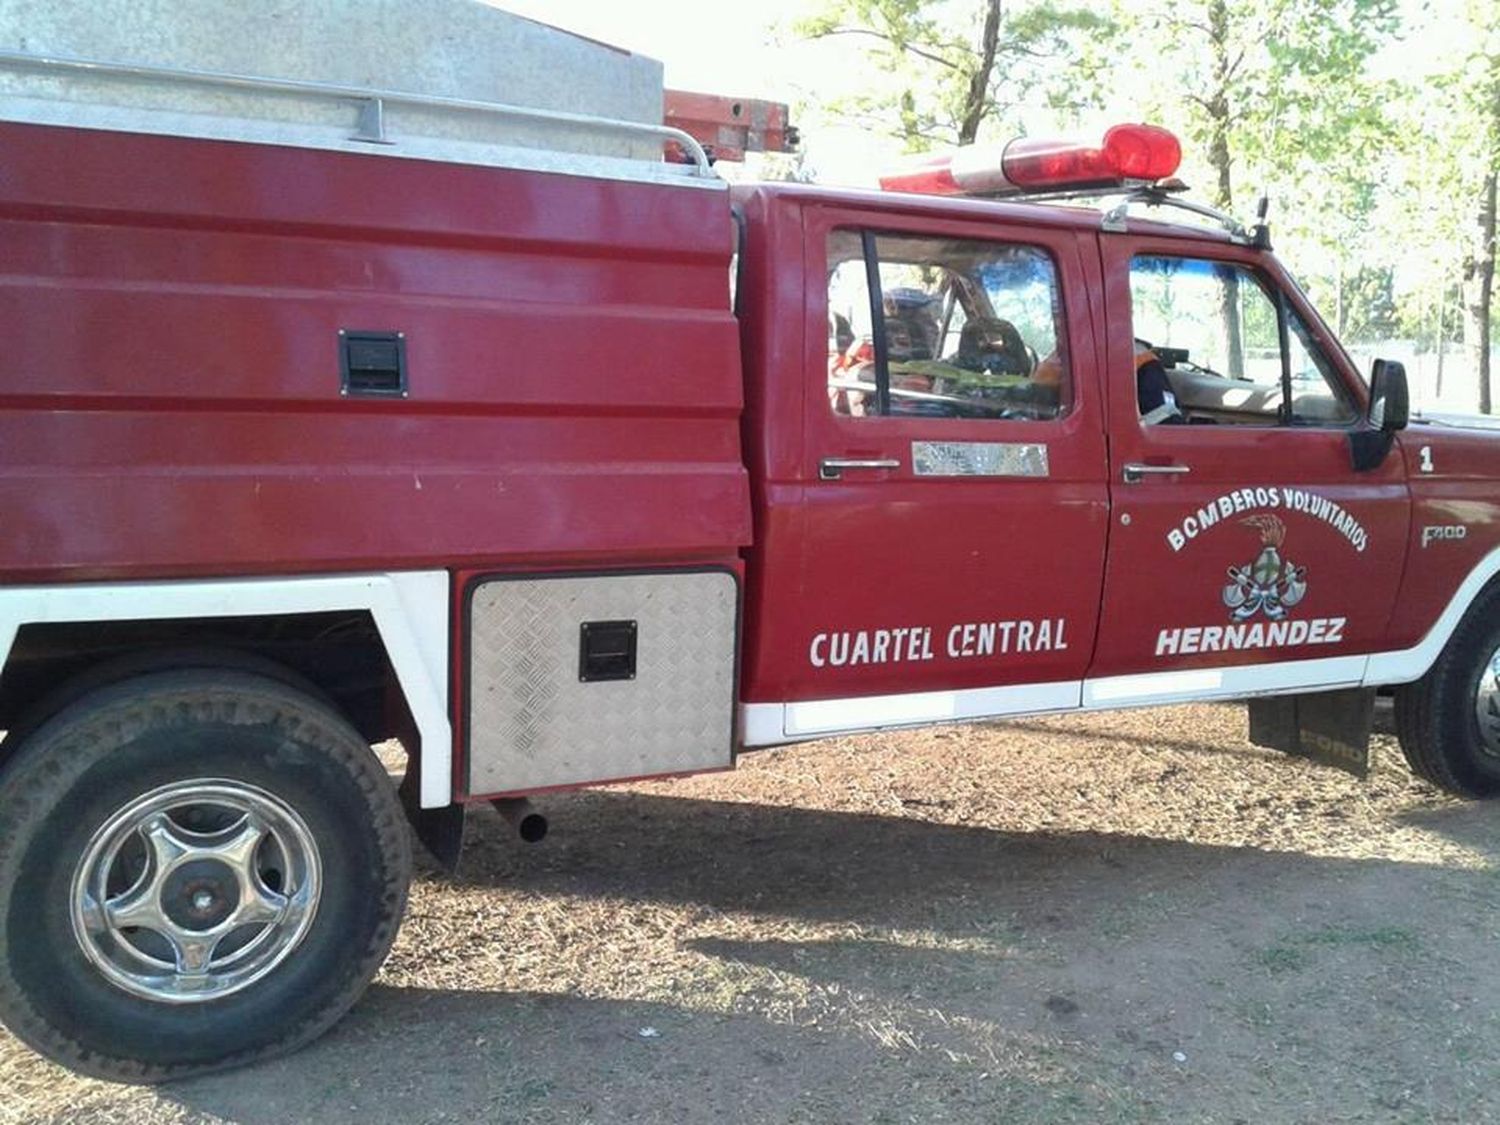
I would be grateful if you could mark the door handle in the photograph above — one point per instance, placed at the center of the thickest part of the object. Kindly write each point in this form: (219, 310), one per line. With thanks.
(832, 468)
(1135, 473)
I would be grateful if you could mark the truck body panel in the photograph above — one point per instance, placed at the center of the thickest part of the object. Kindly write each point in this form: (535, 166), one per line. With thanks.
(1455, 514)
(1180, 540)
(172, 405)
(876, 552)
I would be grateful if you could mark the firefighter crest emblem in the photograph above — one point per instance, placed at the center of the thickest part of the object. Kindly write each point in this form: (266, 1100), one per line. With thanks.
(1272, 583)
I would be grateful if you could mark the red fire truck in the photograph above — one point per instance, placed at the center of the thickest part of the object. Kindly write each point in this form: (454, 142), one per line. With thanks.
(569, 469)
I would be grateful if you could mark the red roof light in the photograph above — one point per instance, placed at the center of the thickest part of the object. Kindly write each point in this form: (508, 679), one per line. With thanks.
(1142, 152)
(1127, 152)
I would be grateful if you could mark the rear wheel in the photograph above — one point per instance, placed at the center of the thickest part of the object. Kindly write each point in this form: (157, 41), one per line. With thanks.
(1448, 722)
(197, 870)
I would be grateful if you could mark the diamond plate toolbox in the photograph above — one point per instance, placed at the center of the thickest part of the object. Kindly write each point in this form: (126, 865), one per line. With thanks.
(533, 722)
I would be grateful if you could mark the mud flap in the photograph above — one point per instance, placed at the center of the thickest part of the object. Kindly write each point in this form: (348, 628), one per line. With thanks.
(441, 832)
(1328, 727)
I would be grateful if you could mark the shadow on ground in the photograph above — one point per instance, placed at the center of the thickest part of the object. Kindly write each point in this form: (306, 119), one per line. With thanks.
(954, 974)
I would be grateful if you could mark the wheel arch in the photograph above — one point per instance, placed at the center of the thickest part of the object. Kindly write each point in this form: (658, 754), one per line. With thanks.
(1385, 669)
(97, 632)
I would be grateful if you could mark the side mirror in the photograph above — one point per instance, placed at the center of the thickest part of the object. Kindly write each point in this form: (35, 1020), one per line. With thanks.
(1390, 400)
(1390, 410)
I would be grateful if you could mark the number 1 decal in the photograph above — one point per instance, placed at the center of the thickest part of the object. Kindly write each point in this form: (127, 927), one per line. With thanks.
(1426, 455)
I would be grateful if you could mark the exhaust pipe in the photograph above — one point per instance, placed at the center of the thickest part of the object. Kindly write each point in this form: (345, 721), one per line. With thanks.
(518, 812)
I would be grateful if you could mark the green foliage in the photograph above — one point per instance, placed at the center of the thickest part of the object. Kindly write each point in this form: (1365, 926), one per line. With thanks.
(1376, 139)
(952, 71)
(1368, 305)
(1282, 83)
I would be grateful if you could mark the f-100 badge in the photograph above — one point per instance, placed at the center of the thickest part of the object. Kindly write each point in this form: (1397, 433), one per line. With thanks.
(1271, 584)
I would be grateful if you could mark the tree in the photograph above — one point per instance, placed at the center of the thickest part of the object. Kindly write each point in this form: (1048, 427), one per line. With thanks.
(1479, 108)
(1479, 287)
(943, 70)
(1271, 85)
(1450, 149)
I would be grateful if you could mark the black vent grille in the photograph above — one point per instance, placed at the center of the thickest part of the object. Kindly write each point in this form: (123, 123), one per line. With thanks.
(373, 364)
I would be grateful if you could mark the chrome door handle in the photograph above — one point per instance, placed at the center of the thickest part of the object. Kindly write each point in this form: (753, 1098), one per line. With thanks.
(832, 468)
(1135, 473)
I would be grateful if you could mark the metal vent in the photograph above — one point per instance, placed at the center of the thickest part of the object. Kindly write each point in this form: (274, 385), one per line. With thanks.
(373, 364)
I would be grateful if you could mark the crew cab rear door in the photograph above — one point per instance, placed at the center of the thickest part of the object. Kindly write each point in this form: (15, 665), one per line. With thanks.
(1246, 554)
(943, 557)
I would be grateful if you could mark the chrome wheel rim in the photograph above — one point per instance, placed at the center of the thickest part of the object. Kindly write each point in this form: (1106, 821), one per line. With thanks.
(195, 891)
(1487, 704)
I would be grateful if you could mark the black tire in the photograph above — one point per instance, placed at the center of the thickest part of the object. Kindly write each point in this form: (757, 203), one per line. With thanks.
(106, 750)
(1436, 722)
(135, 664)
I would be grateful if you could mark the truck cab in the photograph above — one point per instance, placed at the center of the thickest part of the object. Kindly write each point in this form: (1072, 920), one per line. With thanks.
(980, 515)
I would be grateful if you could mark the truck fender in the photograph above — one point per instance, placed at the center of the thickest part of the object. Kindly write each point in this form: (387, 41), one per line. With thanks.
(409, 608)
(1405, 665)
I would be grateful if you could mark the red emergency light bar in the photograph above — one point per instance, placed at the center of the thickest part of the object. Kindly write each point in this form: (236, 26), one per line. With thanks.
(1027, 164)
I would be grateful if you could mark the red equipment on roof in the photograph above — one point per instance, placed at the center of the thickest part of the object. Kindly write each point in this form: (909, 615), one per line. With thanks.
(1126, 153)
(730, 127)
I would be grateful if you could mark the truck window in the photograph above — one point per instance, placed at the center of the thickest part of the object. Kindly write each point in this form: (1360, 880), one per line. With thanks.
(1213, 330)
(971, 329)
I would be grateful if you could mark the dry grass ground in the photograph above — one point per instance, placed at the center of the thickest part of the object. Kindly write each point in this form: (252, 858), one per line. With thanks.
(1127, 918)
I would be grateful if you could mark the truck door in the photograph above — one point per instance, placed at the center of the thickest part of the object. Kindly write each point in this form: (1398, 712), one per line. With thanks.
(1246, 554)
(951, 503)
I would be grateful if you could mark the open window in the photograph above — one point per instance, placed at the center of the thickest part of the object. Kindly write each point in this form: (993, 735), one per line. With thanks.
(1231, 348)
(944, 328)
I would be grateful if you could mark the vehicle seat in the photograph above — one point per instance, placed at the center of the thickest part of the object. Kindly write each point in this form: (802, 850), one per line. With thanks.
(992, 345)
(912, 313)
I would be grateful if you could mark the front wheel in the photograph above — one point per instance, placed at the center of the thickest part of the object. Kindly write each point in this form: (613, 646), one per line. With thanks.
(1448, 722)
(197, 870)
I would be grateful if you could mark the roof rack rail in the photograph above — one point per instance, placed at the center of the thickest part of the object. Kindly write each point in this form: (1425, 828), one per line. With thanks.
(1116, 205)
(1166, 194)
(370, 103)
(1056, 195)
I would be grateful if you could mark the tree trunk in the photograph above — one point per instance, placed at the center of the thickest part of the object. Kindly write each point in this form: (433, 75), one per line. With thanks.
(1479, 289)
(1341, 304)
(977, 99)
(1442, 330)
(1218, 104)
(1219, 157)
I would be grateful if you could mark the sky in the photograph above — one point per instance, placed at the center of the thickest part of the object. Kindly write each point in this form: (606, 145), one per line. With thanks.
(710, 46)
